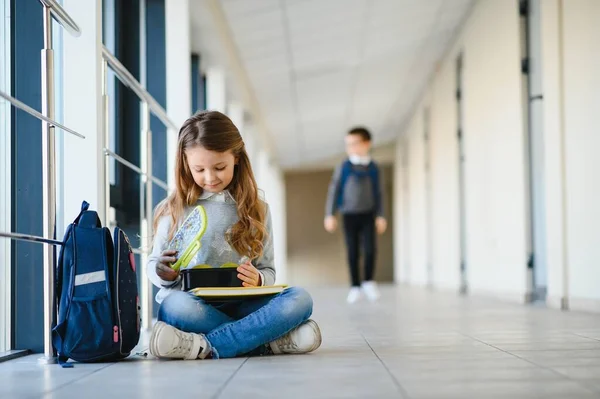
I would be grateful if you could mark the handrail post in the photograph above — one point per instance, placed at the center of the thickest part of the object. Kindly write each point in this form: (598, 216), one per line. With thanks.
(49, 185)
(105, 143)
(146, 305)
(62, 17)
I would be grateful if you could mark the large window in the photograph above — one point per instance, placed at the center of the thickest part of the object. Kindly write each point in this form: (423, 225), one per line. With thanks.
(21, 195)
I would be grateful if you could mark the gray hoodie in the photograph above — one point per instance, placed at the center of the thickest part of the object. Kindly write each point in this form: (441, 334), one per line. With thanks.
(221, 212)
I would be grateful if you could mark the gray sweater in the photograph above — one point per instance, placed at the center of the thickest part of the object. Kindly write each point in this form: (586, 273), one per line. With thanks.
(221, 212)
(357, 196)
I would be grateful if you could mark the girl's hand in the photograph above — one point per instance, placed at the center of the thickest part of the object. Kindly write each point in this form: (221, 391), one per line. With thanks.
(163, 266)
(249, 275)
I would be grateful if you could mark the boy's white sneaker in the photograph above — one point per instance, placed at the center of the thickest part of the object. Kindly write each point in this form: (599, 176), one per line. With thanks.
(303, 339)
(371, 291)
(353, 295)
(168, 342)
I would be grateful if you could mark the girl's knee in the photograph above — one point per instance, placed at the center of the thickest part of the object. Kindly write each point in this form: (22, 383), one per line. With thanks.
(299, 303)
(175, 306)
(189, 313)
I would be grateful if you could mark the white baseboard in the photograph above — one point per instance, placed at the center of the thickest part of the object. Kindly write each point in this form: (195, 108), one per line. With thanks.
(446, 288)
(589, 305)
(584, 305)
(514, 297)
(553, 301)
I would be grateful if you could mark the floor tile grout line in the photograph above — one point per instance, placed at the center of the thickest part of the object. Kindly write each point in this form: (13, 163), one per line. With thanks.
(548, 350)
(83, 377)
(585, 383)
(512, 354)
(585, 336)
(533, 363)
(222, 389)
(401, 389)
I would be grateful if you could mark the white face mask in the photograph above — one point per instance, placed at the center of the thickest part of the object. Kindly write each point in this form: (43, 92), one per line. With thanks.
(358, 160)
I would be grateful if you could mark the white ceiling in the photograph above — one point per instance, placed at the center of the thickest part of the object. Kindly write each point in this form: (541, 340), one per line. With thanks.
(318, 67)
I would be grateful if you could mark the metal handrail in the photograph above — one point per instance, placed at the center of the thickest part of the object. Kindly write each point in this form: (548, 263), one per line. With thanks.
(62, 17)
(137, 169)
(33, 112)
(30, 238)
(128, 80)
(148, 106)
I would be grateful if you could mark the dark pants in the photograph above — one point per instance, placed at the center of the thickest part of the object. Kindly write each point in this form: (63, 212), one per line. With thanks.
(356, 227)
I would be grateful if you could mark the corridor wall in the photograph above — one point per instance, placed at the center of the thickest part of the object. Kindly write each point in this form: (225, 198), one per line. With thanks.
(571, 61)
(494, 171)
(494, 125)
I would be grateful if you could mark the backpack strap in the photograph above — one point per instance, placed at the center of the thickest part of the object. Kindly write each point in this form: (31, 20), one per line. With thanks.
(63, 361)
(57, 342)
(58, 331)
(90, 219)
(59, 272)
(87, 218)
(345, 172)
(84, 207)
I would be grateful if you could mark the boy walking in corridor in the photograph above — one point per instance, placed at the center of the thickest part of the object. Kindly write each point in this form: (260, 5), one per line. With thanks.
(355, 191)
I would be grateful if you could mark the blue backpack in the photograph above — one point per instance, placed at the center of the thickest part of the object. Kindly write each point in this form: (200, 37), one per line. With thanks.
(96, 286)
(371, 172)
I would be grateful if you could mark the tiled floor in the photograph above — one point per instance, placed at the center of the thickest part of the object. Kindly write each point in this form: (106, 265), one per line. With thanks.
(413, 344)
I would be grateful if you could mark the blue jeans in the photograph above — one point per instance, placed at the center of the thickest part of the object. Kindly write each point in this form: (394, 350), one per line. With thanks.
(238, 327)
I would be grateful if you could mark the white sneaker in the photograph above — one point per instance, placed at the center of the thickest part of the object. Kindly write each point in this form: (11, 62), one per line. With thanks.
(371, 291)
(303, 339)
(354, 295)
(168, 342)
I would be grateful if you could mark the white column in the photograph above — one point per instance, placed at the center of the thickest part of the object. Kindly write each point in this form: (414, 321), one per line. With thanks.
(261, 169)
(216, 97)
(250, 139)
(235, 111)
(82, 93)
(271, 180)
(279, 211)
(179, 80)
(399, 217)
(553, 153)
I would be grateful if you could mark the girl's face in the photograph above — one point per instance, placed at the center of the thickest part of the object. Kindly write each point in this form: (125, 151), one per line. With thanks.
(212, 171)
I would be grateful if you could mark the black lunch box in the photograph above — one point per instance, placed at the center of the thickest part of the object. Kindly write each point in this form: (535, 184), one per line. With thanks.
(210, 277)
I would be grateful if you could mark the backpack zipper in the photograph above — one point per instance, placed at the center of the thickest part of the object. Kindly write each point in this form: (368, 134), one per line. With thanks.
(131, 254)
(117, 336)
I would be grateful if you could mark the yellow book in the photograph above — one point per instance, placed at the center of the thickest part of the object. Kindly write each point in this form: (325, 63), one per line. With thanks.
(233, 292)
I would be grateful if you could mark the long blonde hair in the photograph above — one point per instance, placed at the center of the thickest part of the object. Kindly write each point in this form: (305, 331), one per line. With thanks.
(214, 131)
